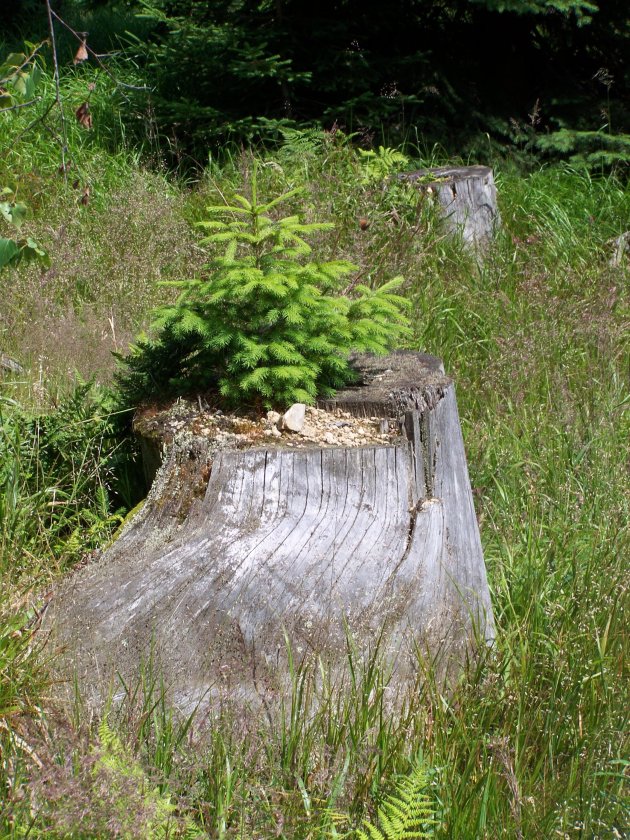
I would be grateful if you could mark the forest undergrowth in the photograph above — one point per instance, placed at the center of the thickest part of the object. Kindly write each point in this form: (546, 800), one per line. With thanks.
(533, 741)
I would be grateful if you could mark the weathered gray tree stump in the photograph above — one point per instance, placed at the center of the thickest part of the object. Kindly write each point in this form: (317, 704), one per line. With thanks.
(467, 198)
(9, 364)
(235, 548)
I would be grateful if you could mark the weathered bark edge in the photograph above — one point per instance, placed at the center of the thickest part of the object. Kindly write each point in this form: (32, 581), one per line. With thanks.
(467, 200)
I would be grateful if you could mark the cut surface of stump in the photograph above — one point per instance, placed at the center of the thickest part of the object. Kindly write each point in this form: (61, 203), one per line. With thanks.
(241, 547)
(467, 197)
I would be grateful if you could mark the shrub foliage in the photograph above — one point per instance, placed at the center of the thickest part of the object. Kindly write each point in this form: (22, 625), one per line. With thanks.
(265, 325)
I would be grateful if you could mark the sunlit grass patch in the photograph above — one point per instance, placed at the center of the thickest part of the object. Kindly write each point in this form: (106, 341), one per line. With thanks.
(533, 741)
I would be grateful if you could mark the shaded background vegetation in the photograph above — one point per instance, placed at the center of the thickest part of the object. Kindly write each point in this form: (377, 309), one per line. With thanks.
(547, 77)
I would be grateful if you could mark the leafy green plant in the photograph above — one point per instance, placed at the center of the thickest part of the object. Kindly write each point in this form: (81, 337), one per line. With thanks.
(266, 325)
(379, 164)
(20, 74)
(59, 482)
(95, 785)
(23, 680)
(406, 813)
(533, 742)
(21, 673)
(12, 251)
(300, 143)
(580, 8)
(124, 773)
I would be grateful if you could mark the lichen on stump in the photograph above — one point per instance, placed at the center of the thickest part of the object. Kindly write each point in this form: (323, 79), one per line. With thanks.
(237, 550)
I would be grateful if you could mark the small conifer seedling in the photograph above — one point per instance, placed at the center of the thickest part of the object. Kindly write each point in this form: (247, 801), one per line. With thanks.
(266, 325)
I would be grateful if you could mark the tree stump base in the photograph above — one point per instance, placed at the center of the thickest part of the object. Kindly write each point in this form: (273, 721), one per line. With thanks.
(467, 198)
(238, 550)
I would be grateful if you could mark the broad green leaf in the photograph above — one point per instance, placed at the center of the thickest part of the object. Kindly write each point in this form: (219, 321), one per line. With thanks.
(32, 81)
(20, 83)
(5, 211)
(18, 214)
(8, 252)
(31, 250)
(10, 65)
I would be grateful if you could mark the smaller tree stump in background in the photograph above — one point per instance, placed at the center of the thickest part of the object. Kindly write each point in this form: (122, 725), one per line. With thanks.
(467, 196)
(10, 365)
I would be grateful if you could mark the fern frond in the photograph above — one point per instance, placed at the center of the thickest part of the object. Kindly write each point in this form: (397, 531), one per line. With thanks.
(371, 833)
(380, 164)
(301, 143)
(110, 742)
(406, 814)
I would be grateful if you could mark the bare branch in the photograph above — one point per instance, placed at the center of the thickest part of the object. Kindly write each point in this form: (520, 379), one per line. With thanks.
(20, 105)
(80, 37)
(62, 139)
(64, 135)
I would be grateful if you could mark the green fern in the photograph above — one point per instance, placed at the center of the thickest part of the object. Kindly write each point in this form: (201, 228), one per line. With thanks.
(381, 164)
(301, 143)
(125, 773)
(407, 814)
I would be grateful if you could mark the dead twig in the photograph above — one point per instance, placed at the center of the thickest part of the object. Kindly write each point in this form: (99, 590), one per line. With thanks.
(20, 105)
(53, 44)
(81, 38)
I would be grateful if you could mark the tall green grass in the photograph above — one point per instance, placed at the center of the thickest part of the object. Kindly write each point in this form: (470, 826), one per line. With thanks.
(64, 477)
(115, 229)
(533, 741)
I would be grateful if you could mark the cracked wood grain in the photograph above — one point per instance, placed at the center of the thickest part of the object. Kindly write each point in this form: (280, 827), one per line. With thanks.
(305, 542)
(467, 198)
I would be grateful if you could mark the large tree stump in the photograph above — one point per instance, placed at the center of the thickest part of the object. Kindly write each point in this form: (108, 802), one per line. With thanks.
(235, 548)
(467, 198)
